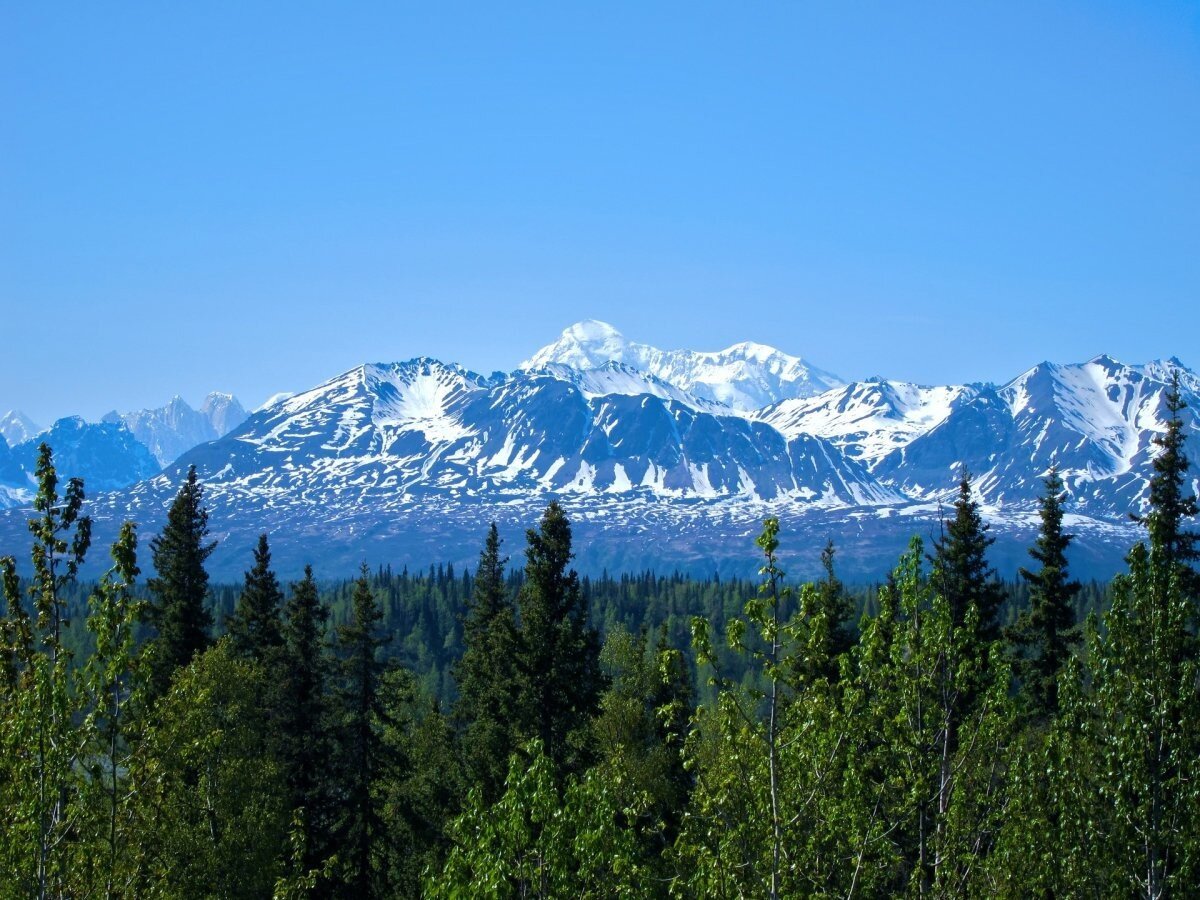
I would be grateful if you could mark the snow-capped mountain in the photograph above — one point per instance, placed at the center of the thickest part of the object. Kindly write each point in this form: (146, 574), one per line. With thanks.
(105, 455)
(744, 377)
(16, 427)
(223, 411)
(1095, 421)
(406, 430)
(868, 419)
(409, 461)
(171, 430)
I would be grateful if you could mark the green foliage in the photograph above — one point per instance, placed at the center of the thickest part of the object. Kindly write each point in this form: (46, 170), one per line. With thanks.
(305, 738)
(1046, 633)
(423, 786)
(177, 609)
(211, 799)
(114, 683)
(40, 741)
(1171, 502)
(763, 758)
(1147, 703)
(486, 674)
(362, 755)
(961, 572)
(938, 697)
(816, 760)
(256, 629)
(640, 730)
(557, 656)
(540, 841)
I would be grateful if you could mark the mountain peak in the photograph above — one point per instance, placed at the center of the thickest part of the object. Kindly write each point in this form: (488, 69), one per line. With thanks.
(1105, 361)
(742, 377)
(588, 344)
(591, 330)
(16, 427)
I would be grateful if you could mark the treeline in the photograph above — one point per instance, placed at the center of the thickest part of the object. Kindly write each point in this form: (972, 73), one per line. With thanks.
(939, 737)
(423, 613)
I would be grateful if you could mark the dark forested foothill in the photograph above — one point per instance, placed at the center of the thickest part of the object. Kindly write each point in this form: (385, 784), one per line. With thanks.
(525, 731)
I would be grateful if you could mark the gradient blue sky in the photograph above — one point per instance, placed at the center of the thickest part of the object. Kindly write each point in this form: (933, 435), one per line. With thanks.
(254, 197)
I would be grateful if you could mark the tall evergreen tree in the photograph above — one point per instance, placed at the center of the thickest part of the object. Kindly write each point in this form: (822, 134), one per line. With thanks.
(961, 572)
(305, 741)
(1171, 500)
(362, 753)
(558, 653)
(256, 628)
(1046, 632)
(485, 674)
(837, 609)
(178, 591)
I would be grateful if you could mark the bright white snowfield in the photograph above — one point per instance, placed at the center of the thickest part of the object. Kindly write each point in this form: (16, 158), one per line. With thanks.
(746, 376)
(663, 458)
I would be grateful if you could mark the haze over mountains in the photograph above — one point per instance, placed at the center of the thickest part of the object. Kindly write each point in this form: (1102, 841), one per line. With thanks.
(663, 459)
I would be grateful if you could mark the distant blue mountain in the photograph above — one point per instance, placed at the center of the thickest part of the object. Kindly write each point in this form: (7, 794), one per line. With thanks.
(105, 455)
(408, 462)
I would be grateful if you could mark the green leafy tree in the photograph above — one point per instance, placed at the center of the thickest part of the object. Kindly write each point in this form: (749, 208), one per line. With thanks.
(557, 651)
(926, 769)
(210, 796)
(41, 740)
(836, 609)
(1046, 633)
(1147, 696)
(114, 684)
(540, 841)
(1053, 839)
(767, 754)
(178, 591)
(486, 673)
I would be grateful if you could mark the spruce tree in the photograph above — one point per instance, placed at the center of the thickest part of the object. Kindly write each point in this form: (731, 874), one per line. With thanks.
(256, 628)
(1046, 632)
(1171, 500)
(305, 741)
(960, 568)
(485, 674)
(837, 608)
(178, 591)
(558, 653)
(362, 753)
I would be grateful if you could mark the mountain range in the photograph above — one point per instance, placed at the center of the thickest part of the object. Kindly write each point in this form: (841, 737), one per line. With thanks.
(663, 459)
(117, 451)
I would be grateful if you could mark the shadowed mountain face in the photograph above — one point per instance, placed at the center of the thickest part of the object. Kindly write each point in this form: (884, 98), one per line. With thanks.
(120, 450)
(408, 462)
(105, 455)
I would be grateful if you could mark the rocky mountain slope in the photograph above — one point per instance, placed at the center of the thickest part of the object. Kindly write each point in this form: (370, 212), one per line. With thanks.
(660, 458)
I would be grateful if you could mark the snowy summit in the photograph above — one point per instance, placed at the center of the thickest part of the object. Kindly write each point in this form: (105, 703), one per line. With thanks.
(744, 377)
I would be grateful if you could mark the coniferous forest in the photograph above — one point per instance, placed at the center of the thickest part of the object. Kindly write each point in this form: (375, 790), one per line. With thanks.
(520, 731)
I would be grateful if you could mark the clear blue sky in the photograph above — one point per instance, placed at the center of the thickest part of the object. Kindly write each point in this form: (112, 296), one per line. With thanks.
(254, 197)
